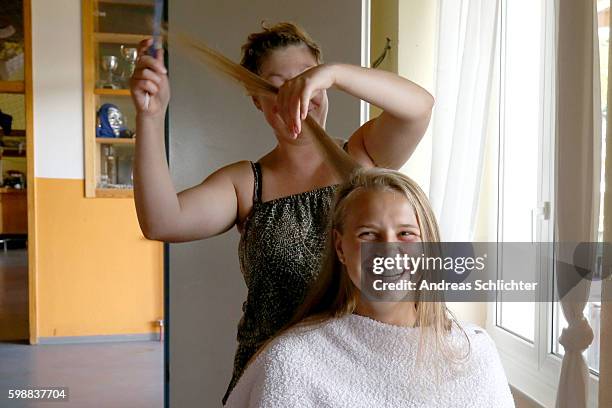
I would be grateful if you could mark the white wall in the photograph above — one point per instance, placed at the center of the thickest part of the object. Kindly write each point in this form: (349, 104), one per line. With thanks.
(58, 89)
(416, 61)
(213, 123)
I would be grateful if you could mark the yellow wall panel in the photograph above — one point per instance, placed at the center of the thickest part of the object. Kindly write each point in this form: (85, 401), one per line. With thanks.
(97, 274)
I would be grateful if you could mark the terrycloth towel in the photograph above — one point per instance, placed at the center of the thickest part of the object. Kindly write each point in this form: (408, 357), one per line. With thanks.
(354, 361)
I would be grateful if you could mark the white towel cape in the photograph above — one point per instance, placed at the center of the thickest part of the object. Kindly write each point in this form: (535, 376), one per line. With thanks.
(354, 361)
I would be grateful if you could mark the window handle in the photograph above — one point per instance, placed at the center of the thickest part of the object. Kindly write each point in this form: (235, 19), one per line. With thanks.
(540, 212)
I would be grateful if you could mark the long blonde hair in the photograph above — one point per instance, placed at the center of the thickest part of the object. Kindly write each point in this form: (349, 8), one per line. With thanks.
(333, 293)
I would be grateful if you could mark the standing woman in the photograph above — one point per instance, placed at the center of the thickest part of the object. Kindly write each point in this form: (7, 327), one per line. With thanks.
(280, 203)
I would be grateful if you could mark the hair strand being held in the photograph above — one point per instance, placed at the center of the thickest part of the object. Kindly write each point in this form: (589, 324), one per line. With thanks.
(338, 159)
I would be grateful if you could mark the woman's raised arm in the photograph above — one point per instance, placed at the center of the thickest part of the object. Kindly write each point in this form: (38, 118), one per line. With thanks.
(207, 209)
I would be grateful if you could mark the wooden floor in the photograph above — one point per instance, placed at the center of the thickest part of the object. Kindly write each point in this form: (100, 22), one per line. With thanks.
(14, 294)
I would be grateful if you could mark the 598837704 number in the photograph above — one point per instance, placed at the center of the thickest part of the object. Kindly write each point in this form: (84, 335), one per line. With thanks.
(38, 394)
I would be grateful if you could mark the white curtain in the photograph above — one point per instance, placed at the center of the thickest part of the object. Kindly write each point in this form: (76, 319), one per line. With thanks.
(464, 77)
(578, 166)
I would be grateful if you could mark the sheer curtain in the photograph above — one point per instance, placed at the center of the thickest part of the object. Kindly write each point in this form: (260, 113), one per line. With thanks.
(578, 147)
(464, 78)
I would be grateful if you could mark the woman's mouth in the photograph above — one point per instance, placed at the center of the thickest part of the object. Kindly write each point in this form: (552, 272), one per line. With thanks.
(395, 274)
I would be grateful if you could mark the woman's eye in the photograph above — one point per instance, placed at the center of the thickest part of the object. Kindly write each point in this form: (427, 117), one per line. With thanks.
(408, 234)
(367, 234)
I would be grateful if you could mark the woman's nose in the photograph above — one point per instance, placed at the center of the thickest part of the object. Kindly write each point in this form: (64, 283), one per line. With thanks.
(388, 236)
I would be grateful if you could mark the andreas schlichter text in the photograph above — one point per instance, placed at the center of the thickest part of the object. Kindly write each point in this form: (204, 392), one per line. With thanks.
(480, 285)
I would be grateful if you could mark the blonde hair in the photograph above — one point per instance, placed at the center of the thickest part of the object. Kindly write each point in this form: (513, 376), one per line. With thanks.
(280, 35)
(333, 293)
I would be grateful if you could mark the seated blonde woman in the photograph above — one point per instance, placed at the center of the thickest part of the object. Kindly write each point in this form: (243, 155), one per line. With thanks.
(343, 350)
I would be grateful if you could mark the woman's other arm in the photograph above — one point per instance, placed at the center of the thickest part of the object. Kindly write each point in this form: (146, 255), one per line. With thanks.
(386, 141)
(389, 139)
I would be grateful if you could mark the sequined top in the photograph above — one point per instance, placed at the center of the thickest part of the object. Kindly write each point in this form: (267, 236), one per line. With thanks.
(280, 251)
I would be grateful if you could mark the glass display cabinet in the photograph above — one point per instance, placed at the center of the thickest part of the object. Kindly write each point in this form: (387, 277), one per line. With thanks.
(112, 30)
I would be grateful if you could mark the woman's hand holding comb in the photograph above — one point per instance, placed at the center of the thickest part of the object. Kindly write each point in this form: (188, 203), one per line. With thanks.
(149, 84)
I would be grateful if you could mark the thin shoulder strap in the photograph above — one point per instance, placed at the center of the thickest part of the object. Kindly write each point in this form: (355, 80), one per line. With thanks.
(257, 181)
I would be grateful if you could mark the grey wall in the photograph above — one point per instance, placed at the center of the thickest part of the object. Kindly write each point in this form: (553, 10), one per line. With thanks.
(213, 123)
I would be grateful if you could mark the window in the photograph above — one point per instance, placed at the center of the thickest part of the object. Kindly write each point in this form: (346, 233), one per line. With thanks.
(527, 333)
(520, 156)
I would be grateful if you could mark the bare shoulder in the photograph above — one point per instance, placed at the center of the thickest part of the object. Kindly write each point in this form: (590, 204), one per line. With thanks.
(236, 171)
(242, 177)
(237, 176)
(240, 174)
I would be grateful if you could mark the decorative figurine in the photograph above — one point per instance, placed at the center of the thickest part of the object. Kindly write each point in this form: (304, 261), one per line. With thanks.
(111, 122)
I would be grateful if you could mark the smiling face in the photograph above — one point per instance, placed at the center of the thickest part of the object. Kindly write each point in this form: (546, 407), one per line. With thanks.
(377, 217)
(115, 120)
(279, 66)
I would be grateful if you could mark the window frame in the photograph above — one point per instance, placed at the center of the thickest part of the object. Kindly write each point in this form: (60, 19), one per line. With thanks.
(533, 368)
